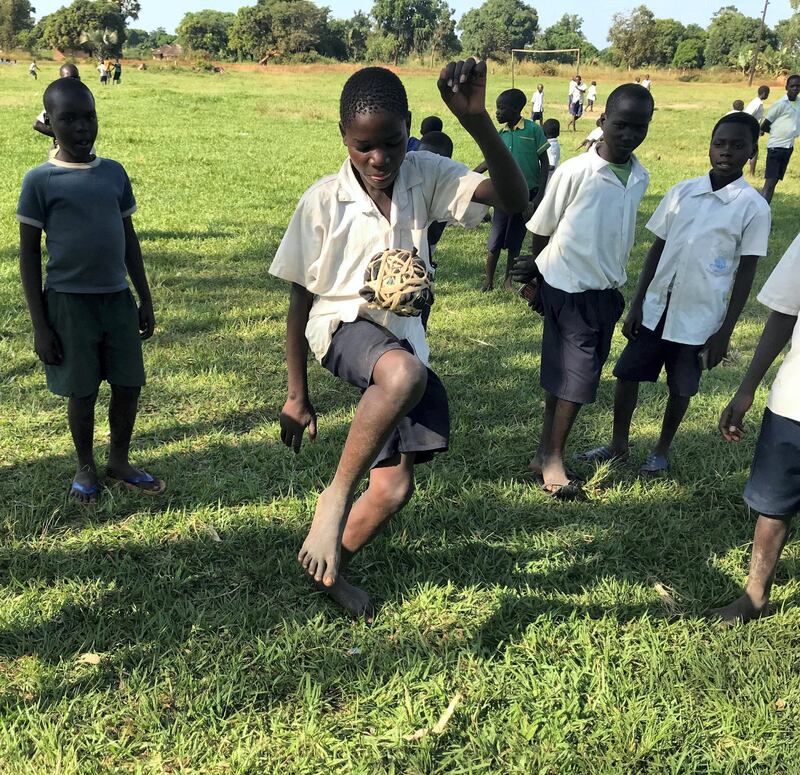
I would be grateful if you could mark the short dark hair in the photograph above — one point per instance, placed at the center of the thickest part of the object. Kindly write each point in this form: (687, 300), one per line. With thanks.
(514, 98)
(431, 124)
(71, 87)
(738, 105)
(437, 142)
(763, 89)
(629, 91)
(743, 119)
(551, 128)
(793, 77)
(69, 70)
(371, 90)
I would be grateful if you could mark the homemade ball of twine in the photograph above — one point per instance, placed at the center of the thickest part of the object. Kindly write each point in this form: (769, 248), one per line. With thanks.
(399, 281)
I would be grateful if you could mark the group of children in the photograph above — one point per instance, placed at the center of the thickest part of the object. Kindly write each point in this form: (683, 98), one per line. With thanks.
(708, 235)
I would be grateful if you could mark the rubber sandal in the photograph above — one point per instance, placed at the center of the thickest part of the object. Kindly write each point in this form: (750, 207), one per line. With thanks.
(655, 465)
(570, 492)
(134, 483)
(84, 490)
(602, 454)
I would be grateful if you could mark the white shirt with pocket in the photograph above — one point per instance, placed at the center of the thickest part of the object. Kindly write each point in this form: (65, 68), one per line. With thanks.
(537, 102)
(781, 293)
(590, 218)
(756, 109)
(784, 119)
(706, 233)
(336, 230)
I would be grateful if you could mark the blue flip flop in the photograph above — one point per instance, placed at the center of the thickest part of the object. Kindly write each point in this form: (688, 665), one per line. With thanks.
(83, 490)
(136, 482)
(654, 466)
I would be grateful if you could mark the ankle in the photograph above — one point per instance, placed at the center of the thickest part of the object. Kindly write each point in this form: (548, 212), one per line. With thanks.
(757, 596)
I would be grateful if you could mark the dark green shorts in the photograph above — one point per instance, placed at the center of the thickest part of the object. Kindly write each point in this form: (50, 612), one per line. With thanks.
(99, 335)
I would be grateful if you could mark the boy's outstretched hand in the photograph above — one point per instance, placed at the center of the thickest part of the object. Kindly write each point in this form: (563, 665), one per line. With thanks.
(296, 416)
(731, 423)
(462, 85)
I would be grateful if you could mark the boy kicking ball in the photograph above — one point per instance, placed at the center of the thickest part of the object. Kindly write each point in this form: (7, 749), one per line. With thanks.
(86, 325)
(381, 198)
(710, 232)
(773, 489)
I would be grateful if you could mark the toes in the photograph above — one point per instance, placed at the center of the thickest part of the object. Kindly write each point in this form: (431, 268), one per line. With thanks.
(320, 575)
(311, 567)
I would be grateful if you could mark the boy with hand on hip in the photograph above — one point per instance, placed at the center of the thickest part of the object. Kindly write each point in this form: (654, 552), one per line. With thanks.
(773, 489)
(710, 232)
(577, 280)
(86, 324)
(380, 199)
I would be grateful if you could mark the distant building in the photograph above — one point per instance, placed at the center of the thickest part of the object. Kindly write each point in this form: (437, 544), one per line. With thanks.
(168, 51)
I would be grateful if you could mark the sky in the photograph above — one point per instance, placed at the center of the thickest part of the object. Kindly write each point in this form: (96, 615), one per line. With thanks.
(596, 13)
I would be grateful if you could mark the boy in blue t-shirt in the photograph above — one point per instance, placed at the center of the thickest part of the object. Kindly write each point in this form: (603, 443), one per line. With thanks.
(86, 324)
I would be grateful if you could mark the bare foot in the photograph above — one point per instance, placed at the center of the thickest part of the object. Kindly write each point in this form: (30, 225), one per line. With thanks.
(536, 464)
(322, 547)
(508, 285)
(554, 473)
(741, 610)
(353, 599)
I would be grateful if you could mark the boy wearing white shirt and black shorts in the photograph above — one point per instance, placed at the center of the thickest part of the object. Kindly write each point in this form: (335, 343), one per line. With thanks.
(773, 488)
(710, 232)
(537, 104)
(782, 123)
(583, 232)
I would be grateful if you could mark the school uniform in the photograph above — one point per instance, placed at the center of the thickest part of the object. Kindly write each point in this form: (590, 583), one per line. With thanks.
(553, 152)
(706, 233)
(589, 213)
(784, 119)
(773, 488)
(595, 136)
(576, 105)
(756, 109)
(334, 232)
(537, 106)
(591, 96)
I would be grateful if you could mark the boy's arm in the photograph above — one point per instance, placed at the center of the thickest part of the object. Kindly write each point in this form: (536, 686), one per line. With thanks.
(777, 333)
(43, 128)
(717, 344)
(463, 89)
(135, 266)
(525, 269)
(544, 174)
(45, 340)
(481, 168)
(297, 413)
(633, 321)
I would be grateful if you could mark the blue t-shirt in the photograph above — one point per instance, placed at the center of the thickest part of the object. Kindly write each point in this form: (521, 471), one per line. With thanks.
(80, 207)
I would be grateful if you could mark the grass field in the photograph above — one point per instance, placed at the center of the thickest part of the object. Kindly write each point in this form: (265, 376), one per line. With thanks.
(572, 633)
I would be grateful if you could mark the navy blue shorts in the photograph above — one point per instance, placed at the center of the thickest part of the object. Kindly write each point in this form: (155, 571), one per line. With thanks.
(508, 230)
(643, 358)
(578, 328)
(537, 115)
(777, 162)
(773, 488)
(352, 355)
(576, 109)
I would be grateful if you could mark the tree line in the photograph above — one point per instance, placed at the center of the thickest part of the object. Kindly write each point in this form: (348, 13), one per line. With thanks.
(395, 30)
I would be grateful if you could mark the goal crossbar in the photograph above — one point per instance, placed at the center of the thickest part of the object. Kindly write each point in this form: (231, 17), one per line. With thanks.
(515, 51)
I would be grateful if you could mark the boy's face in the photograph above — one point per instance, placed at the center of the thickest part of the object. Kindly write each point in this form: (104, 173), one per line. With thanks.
(625, 128)
(540, 87)
(507, 113)
(731, 147)
(763, 93)
(793, 88)
(73, 119)
(376, 143)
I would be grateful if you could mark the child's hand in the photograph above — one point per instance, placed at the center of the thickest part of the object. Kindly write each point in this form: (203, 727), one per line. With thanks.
(731, 423)
(463, 88)
(296, 416)
(147, 320)
(633, 323)
(524, 269)
(717, 348)
(47, 346)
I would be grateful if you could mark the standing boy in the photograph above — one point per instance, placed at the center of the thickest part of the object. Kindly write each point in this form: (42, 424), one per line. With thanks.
(756, 109)
(86, 325)
(782, 123)
(381, 198)
(537, 105)
(710, 232)
(117, 70)
(34, 70)
(773, 489)
(591, 96)
(528, 145)
(576, 106)
(583, 233)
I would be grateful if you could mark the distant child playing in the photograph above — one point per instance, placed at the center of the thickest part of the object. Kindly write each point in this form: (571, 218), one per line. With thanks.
(552, 129)
(33, 70)
(583, 232)
(40, 124)
(86, 325)
(756, 109)
(576, 104)
(595, 136)
(591, 96)
(117, 72)
(528, 145)
(537, 104)
(782, 123)
(773, 489)
(710, 232)
(380, 198)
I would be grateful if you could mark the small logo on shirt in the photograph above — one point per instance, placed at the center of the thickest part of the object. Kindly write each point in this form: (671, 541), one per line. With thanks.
(718, 266)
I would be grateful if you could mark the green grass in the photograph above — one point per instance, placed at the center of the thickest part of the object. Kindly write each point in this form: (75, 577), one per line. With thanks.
(573, 632)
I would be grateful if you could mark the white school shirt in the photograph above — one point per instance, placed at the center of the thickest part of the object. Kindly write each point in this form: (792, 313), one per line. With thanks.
(595, 135)
(706, 233)
(554, 151)
(537, 102)
(591, 94)
(579, 92)
(590, 218)
(647, 83)
(781, 293)
(784, 119)
(756, 109)
(336, 229)
(571, 92)
(102, 69)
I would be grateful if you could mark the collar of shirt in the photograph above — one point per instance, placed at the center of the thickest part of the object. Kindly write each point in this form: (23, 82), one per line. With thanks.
(599, 164)
(725, 194)
(350, 189)
(519, 125)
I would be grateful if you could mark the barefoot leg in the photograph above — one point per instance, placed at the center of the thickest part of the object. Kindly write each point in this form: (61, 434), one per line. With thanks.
(673, 416)
(768, 542)
(491, 268)
(80, 414)
(398, 383)
(554, 470)
(536, 464)
(769, 189)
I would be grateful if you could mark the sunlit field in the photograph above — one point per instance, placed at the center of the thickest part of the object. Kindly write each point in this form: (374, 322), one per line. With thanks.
(179, 635)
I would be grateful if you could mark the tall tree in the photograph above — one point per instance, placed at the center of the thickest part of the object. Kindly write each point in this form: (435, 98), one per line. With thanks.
(788, 31)
(497, 26)
(668, 34)
(93, 26)
(15, 18)
(206, 31)
(409, 22)
(567, 32)
(729, 32)
(129, 8)
(631, 36)
(689, 54)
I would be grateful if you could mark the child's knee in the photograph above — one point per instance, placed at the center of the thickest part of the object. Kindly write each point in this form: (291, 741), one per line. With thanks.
(394, 492)
(403, 374)
(126, 392)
